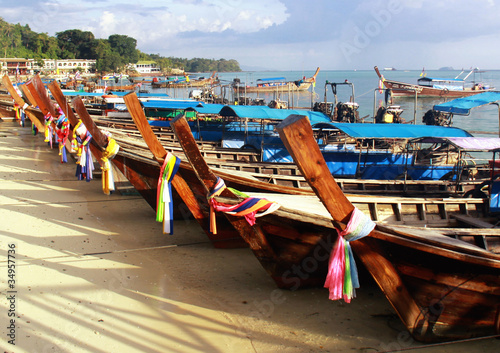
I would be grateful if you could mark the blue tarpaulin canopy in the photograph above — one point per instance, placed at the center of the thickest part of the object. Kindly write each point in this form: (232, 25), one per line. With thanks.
(171, 104)
(264, 112)
(431, 79)
(271, 79)
(119, 94)
(397, 131)
(462, 106)
(212, 109)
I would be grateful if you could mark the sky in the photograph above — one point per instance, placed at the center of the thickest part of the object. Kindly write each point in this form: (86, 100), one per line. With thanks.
(287, 34)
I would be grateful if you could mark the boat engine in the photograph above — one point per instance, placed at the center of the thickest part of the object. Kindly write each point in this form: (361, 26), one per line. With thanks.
(390, 114)
(346, 112)
(278, 104)
(434, 117)
(323, 107)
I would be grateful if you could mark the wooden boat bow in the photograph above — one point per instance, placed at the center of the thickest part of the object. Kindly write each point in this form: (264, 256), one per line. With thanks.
(251, 234)
(20, 101)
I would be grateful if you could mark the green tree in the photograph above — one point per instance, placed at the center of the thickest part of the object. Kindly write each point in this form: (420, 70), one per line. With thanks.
(106, 58)
(75, 43)
(111, 54)
(125, 46)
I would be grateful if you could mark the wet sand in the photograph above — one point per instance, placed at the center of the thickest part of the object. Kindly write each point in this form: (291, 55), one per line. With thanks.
(93, 273)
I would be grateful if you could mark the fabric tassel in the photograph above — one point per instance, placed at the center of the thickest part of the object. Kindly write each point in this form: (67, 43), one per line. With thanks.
(250, 208)
(16, 110)
(62, 132)
(85, 164)
(216, 191)
(108, 184)
(49, 133)
(164, 203)
(342, 278)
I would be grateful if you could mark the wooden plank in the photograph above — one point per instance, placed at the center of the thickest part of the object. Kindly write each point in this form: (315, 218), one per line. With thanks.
(396, 208)
(421, 211)
(373, 211)
(474, 222)
(442, 211)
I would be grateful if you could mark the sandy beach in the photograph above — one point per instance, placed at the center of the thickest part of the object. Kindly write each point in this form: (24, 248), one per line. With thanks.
(94, 273)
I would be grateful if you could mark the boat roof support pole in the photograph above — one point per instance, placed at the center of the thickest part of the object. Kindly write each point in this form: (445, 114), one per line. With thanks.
(498, 105)
(415, 109)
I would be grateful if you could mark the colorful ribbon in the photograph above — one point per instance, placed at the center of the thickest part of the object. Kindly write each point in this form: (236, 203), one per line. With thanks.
(108, 183)
(62, 131)
(342, 278)
(164, 206)
(85, 164)
(250, 207)
(49, 130)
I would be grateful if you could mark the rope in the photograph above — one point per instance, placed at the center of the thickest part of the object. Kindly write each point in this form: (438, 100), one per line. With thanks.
(249, 208)
(342, 278)
(164, 206)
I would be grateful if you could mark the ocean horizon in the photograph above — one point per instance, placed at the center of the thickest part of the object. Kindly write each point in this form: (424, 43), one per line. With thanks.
(365, 83)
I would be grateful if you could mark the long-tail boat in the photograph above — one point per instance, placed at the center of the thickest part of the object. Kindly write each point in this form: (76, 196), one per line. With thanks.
(143, 173)
(433, 87)
(136, 164)
(280, 85)
(442, 288)
(184, 81)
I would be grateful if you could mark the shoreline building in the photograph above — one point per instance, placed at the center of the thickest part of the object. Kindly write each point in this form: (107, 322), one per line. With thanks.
(145, 67)
(21, 66)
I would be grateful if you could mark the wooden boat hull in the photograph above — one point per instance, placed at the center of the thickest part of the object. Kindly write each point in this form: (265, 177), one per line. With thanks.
(457, 297)
(284, 87)
(7, 113)
(289, 87)
(401, 89)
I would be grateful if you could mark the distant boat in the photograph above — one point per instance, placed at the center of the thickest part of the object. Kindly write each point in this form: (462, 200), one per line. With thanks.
(184, 81)
(275, 84)
(389, 69)
(435, 87)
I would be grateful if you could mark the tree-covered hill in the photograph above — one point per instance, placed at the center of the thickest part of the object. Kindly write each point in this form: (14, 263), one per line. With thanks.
(111, 54)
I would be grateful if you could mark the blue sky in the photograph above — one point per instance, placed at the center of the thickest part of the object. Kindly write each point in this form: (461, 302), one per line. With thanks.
(287, 34)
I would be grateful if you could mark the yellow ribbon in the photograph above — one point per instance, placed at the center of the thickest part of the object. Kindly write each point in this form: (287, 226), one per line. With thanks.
(107, 174)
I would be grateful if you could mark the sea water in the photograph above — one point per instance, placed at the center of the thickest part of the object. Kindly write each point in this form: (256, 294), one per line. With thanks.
(366, 93)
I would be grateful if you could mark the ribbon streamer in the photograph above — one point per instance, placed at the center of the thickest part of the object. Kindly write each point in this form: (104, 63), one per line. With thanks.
(108, 183)
(62, 126)
(164, 206)
(85, 164)
(250, 207)
(342, 278)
